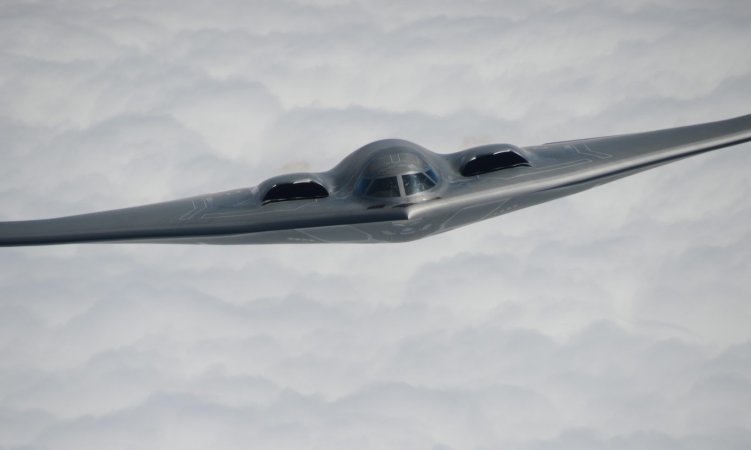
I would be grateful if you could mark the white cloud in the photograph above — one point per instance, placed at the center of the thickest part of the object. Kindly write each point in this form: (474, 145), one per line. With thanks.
(616, 318)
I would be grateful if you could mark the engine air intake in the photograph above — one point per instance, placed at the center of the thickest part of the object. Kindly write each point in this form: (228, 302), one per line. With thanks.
(300, 190)
(491, 162)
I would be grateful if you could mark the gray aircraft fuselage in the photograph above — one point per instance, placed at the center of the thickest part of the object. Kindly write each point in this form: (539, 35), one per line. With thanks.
(387, 191)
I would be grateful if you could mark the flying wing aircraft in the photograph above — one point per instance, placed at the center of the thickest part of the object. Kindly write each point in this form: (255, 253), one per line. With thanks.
(387, 191)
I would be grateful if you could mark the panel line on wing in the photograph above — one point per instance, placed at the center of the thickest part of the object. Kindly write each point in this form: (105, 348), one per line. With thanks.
(197, 209)
(588, 151)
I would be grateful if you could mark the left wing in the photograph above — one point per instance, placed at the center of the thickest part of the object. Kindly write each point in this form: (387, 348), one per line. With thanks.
(559, 169)
(614, 157)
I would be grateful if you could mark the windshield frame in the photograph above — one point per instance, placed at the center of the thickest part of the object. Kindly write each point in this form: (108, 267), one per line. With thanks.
(387, 183)
(418, 182)
(365, 184)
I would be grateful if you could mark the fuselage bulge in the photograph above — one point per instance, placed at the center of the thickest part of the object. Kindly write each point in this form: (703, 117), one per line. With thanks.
(387, 191)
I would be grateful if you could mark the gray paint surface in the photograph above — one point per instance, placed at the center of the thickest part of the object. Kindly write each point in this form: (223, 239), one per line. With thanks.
(240, 216)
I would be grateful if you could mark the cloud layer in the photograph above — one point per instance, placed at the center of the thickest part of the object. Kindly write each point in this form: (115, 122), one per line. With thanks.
(616, 318)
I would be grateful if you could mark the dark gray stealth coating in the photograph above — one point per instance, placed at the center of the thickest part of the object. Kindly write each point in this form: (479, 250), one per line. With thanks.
(387, 191)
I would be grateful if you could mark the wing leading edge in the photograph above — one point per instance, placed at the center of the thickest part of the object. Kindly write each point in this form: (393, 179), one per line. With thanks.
(563, 168)
(194, 220)
(615, 157)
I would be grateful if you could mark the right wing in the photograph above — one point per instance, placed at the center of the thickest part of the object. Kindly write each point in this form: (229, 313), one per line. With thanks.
(205, 219)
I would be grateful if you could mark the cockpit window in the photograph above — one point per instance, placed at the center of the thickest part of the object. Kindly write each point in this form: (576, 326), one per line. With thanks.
(416, 182)
(384, 187)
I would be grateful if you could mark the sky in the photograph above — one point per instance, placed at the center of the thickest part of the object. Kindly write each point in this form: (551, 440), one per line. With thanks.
(612, 319)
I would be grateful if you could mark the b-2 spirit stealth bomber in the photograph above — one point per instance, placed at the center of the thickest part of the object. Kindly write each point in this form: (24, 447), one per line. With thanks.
(387, 191)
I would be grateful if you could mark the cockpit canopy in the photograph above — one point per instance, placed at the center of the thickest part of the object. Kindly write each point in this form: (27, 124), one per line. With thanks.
(396, 175)
(398, 185)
